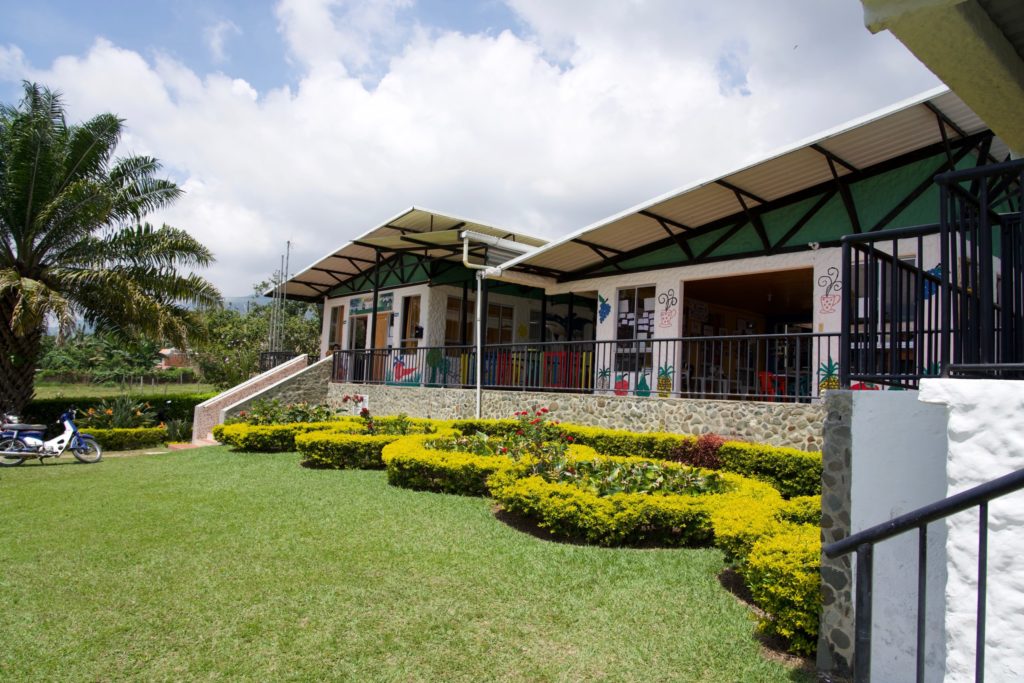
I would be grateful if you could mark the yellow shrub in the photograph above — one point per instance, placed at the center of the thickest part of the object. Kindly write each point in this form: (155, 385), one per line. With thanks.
(782, 572)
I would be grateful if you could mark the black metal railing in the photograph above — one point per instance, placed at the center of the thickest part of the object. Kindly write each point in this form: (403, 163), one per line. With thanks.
(863, 543)
(891, 313)
(771, 367)
(271, 359)
(903, 320)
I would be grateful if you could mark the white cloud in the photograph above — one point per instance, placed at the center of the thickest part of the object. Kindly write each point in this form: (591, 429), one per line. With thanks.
(215, 36)
(597, 107)
(357, 33)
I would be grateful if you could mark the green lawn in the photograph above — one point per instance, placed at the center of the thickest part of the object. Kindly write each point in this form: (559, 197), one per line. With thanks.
(205, 564)
(53, 390)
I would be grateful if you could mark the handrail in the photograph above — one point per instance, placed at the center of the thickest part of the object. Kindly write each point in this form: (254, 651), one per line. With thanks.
(928, 513)
(892, 233)
(863, 543)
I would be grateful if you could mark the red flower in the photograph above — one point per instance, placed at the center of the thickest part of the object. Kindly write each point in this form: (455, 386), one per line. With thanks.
(519, 432)
(535, 420)
(504, 449)
(544, 410)
(569, 439)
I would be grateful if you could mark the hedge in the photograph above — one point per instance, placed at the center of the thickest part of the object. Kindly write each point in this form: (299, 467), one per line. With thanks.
(779, 560)
(605, 441)
(782, 572)
(337, 450)
(275, 438)
(127, 439)
(792, 472)
(410, 464)
(182, 406)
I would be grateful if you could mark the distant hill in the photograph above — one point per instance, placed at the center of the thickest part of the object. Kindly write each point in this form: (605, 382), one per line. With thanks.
(242, 303)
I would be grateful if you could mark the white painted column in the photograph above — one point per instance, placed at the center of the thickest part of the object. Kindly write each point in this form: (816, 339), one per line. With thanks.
(986, 441)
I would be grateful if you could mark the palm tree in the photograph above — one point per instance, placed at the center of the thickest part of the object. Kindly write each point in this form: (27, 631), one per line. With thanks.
(73, 244)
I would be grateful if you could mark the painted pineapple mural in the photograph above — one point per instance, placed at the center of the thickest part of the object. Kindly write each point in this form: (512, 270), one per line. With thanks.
(665, 373)
(828, 375)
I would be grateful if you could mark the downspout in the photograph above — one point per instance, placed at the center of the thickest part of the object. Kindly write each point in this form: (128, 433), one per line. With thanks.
(482, 271)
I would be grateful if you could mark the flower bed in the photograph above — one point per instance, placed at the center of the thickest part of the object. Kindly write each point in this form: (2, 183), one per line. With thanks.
(539, 470)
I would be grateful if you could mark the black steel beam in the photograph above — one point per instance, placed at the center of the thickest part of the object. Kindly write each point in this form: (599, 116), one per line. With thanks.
(806, 193)
(664, 223)
(828, 154)
(798, 226)
(739, 190)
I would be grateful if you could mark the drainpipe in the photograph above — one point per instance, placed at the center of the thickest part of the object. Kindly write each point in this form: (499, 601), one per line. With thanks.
(482, 271)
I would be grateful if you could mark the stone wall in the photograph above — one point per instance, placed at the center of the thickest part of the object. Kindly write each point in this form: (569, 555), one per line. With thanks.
(782, 424)
(884, 456)
(835, 632)
(209, 413)
(309, 386)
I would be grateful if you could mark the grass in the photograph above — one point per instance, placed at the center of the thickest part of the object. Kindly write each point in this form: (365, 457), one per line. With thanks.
(206, 564)
(55, 390)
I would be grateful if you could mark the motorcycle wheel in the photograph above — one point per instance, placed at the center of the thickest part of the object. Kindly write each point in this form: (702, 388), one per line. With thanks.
(8, 460)
(87, 450)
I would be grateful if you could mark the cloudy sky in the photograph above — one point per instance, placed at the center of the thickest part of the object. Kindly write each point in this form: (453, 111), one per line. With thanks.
(315, 120)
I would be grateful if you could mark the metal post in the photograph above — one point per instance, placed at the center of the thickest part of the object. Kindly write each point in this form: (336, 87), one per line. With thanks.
(376, 298)
(862, 636)
(543, 316)
(479, 340)
(849, 300)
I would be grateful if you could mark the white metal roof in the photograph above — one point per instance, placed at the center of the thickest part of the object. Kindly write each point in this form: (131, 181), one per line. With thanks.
(886, 134)
(425, 231)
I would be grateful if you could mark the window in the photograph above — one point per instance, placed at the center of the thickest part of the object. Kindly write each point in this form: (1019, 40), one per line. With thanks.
(634, 321)
(499, 324)
(411, 330)
(337, 325)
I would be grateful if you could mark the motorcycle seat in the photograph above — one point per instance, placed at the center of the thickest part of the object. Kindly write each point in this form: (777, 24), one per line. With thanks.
(23, 428)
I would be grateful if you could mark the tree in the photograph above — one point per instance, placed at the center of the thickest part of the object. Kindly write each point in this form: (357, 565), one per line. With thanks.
(73, 243)
(232, 341)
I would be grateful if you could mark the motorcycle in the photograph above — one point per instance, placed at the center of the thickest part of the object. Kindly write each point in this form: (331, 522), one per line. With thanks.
(19, 441)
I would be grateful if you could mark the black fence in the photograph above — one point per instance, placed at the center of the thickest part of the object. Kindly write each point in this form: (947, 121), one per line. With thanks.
(773, 367)
(903, 320)
(271, 359)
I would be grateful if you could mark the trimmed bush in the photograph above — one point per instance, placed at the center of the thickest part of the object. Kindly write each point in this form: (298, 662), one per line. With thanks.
(336, 450)
(412, 465)
(782, 572)
(802, 510)
(275, 438)
(489, 427)
(625, 443)
(570, 512)
(128, 439)
(792, 472)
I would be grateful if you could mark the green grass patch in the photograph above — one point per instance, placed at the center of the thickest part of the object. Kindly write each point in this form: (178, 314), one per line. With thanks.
(206, 564)
(59, 390)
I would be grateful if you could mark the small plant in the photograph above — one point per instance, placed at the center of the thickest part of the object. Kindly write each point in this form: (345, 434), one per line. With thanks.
(120, 412)
(367, 419)
(535, 435)
(268, 412)
(179, 431)
(604, 477)
(703, 452)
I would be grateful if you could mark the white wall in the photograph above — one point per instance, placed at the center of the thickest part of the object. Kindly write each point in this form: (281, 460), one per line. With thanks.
(898, 464)
(986, 441)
